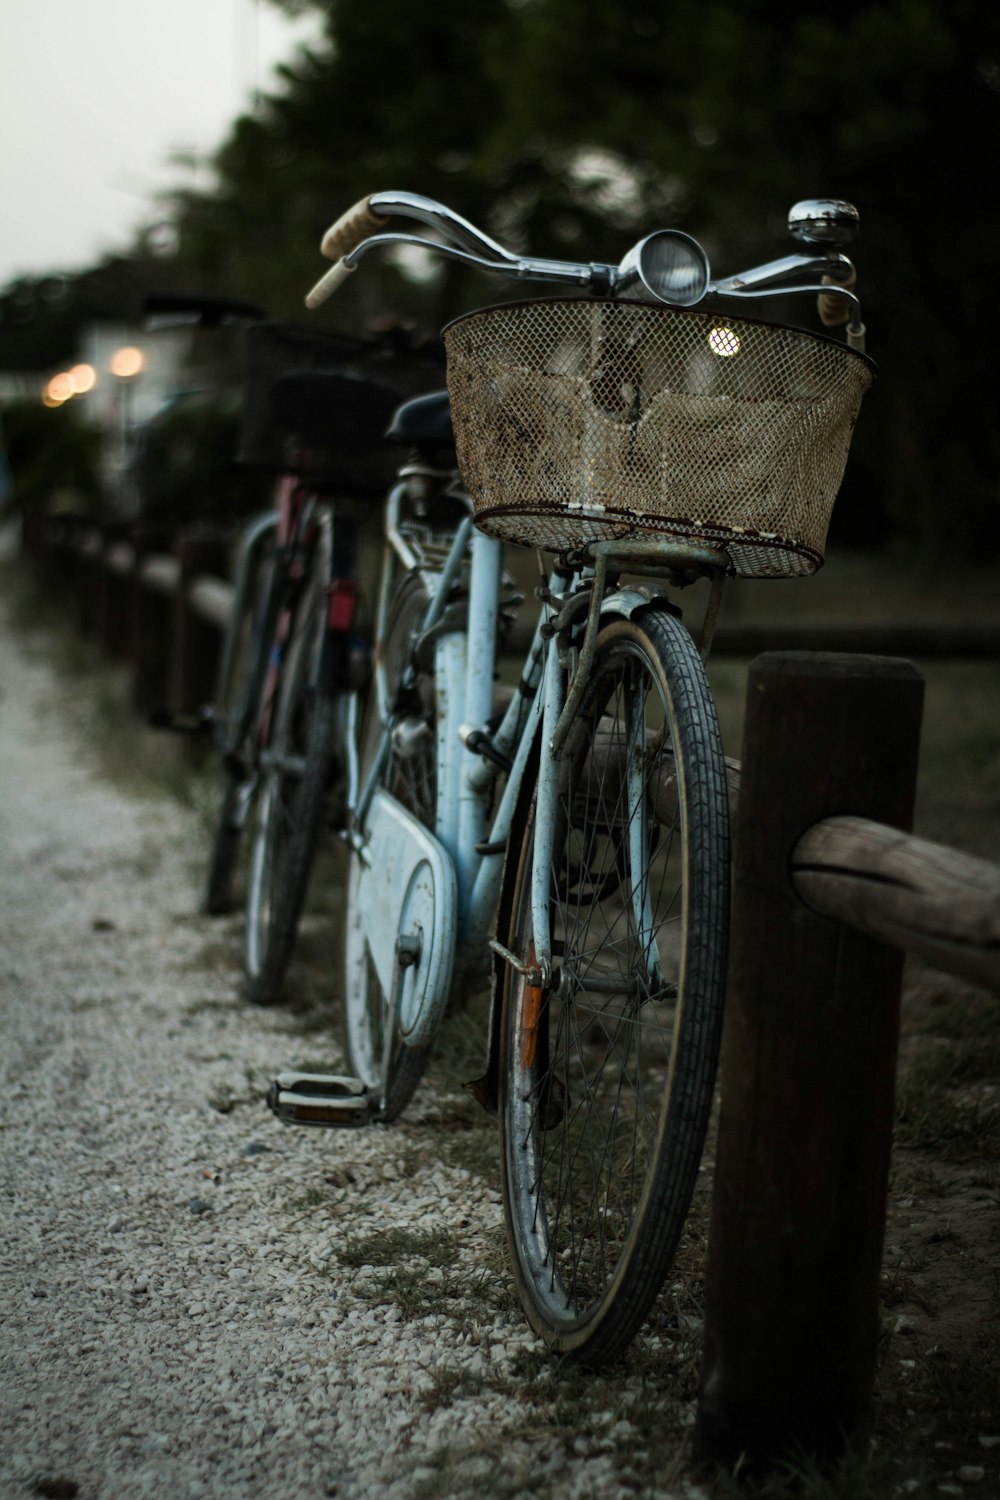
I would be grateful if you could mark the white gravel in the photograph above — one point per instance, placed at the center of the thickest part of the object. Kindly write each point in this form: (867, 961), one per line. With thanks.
(177, 1321)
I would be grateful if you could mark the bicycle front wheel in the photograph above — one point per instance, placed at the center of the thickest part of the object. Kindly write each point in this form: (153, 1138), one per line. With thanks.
(296, 769)
(607, 1073)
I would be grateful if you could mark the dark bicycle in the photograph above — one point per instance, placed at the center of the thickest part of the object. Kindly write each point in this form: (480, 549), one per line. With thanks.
(315, 411)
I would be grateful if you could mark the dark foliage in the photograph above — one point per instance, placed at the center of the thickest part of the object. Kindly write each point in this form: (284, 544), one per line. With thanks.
(54, 459)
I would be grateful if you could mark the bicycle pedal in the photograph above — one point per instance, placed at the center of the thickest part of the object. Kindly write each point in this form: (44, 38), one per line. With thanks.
(322, 1099)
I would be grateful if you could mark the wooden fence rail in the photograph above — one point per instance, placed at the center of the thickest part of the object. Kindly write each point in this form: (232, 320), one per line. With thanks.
(117, 570)
(918, 896)
(159, 602)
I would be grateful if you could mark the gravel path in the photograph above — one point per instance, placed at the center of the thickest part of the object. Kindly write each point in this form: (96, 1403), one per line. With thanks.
(196, 1300)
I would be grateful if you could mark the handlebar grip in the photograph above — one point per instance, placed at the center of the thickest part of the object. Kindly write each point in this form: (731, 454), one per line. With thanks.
(328, 284)
(834, 312)
(350, 229)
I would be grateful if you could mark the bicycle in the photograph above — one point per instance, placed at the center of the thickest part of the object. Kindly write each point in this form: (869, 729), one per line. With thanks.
(314, 412)
(646, 443)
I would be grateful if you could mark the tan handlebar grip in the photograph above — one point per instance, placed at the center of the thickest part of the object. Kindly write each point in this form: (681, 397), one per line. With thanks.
(328, 284)
(834, 311)
(350, 229)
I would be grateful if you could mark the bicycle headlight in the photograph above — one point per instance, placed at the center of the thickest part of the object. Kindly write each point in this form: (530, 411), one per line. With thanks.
(668, 266)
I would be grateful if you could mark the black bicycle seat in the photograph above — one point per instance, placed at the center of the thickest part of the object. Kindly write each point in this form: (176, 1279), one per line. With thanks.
(323, 406)
(423, 422)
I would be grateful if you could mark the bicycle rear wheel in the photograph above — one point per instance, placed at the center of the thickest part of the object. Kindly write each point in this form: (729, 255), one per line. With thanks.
(378, 1055)
(607, 1075)
(296, 769)
(233, 717)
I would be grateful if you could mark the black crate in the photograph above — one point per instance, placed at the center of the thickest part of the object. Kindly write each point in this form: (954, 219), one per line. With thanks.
(317, 404)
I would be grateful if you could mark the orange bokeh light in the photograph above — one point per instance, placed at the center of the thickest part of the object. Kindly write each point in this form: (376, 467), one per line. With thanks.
(84, 378)
(60, 388)
(127, 362)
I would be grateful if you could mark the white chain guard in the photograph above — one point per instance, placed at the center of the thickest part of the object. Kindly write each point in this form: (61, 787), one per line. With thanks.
(407, 886)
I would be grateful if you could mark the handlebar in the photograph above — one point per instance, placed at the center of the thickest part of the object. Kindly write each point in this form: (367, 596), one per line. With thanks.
(668, 266)
(351, 228)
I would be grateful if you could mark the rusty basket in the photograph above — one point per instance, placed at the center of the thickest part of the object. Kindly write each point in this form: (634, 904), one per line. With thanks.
(578, 421)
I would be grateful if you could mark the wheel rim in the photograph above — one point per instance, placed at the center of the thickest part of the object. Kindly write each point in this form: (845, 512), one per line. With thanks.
(366, 1015)
(274, 820)
(278, 791)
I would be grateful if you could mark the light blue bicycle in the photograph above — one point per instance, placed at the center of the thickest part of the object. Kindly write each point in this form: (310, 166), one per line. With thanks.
(568, 839)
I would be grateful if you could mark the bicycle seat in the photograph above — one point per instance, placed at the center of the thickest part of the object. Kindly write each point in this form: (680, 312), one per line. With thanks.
(423, 422)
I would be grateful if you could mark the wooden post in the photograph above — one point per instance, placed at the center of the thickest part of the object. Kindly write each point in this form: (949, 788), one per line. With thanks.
(152, 612)
(195, 643)
(94, 575)
(119, 571)
(808, 1073)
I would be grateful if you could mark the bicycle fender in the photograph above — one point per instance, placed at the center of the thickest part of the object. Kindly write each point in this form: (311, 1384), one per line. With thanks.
(629, 601)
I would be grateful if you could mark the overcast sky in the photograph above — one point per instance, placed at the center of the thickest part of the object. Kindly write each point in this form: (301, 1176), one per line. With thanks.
(94, 97)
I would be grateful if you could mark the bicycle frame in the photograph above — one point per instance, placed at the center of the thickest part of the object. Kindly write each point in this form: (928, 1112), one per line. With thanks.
(464, 666)
(244, 737)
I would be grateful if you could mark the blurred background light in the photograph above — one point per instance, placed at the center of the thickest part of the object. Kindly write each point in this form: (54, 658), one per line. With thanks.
(59, 388)
(126, 362)
(84, 378)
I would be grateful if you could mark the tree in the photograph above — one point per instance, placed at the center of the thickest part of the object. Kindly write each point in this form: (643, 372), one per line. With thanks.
(733, 112)
(55, 459)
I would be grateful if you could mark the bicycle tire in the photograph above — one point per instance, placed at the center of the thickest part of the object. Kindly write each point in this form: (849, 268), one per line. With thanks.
(607, 1078)
(410, 777)
(291, 801)
(233, 718)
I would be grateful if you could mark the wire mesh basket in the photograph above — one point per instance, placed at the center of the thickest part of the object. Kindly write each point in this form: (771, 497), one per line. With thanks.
(578, 421)
(318, 403)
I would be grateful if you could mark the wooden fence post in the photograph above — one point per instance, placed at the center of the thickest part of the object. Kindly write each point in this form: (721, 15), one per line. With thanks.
(92, 575)
(119, 570)
(152, 618)
(196, 643)
(808, 1073)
